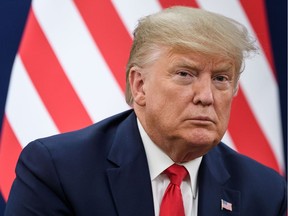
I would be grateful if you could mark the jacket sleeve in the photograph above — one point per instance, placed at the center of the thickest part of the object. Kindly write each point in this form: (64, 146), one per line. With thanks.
(37, 189)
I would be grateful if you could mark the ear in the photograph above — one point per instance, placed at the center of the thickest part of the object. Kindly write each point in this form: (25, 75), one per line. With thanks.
(136, 80)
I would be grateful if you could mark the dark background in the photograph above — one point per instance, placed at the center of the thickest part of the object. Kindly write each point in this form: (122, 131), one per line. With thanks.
(13, 15)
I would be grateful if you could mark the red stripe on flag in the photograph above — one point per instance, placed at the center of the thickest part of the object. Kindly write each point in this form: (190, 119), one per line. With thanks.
(170, 3)
(256, 12)
(47, 75)
(109, 34)
(9, 153)
(248, 137)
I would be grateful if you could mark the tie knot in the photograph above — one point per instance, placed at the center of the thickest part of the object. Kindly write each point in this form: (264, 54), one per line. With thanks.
(176, 174)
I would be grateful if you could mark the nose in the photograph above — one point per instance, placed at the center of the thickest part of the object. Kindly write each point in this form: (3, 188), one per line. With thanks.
(203, 93)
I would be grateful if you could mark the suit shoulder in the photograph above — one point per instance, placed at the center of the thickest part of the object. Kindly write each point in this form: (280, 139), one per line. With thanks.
(82, 140)
(105, 126)
(245, 166)
(254, 180)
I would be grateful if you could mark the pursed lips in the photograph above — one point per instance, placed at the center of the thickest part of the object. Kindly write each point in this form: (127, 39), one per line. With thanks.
(202, 119)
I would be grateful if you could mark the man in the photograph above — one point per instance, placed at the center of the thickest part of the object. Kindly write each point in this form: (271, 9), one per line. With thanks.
(182, 75)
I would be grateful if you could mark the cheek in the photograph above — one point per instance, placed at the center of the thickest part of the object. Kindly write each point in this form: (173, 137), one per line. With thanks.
(225, 120)
(224, 109)
(160, 94)
(165, 104)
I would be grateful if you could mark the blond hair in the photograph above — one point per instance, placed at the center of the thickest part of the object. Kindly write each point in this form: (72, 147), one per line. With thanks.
(188, 29)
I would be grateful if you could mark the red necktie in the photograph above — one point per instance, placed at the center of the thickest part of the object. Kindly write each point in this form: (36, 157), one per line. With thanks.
(172, 203)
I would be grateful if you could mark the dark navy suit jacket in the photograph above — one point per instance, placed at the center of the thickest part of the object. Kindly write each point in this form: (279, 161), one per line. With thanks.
(102, 170)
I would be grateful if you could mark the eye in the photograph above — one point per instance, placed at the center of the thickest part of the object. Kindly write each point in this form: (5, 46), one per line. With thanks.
(183, 73)
(221, 78)
(183, 77)
(222, 82)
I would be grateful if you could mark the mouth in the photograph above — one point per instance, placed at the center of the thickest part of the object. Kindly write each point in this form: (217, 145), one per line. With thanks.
(202, 120)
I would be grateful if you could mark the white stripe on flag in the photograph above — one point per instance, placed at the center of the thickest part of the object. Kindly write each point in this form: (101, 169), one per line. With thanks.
(24, 109)
(131, 11)
(228, 140)
(80, 58)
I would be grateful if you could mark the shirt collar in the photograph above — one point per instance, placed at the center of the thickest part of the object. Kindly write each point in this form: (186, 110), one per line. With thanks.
(158, 161)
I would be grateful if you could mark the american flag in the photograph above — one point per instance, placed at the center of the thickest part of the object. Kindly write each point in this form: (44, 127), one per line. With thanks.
(226, 205)
(69, 72)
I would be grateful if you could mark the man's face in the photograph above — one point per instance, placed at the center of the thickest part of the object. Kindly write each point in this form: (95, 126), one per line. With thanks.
(185, 101)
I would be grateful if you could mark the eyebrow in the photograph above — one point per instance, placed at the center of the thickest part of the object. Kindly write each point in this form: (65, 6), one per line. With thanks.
(186, 64)
(223, 67)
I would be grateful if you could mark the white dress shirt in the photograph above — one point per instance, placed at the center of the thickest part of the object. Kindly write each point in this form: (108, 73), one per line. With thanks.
(158, 161)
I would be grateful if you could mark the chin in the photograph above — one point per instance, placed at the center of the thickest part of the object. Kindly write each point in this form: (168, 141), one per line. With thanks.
(203, 137)
(202, 145)
(198, 140)
(197, 149)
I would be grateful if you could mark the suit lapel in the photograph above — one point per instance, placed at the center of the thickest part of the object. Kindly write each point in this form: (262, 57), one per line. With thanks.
(130, 181)
(214, 187)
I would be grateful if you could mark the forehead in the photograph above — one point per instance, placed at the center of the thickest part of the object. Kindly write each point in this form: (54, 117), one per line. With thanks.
(198, 60)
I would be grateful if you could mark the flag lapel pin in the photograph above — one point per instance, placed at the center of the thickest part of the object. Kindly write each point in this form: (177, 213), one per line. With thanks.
(226, 205)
